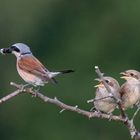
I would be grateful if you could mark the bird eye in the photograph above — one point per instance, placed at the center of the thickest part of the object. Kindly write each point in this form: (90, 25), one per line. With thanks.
(106, 81)
(131, 74)
(14, 48)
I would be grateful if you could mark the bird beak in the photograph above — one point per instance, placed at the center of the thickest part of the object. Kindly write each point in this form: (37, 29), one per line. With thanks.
(122, 73)
(99, 85)
(6, 50)
(97, 79)
(125, 76)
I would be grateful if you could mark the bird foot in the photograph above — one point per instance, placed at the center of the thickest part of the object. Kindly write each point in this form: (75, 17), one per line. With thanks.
(35, 92)
(22, 87)
(110, 116)
(98, 113)
(125, 118)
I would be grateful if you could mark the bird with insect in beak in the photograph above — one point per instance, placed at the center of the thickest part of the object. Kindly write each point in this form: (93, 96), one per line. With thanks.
(30, 68)
(130, 90)
(104, 101)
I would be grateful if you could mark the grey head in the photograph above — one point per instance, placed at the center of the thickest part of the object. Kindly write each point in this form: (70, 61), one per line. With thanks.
(18, 49)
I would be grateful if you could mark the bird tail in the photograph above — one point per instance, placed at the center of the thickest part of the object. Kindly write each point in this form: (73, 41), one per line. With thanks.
(66, 71)
(54, 74)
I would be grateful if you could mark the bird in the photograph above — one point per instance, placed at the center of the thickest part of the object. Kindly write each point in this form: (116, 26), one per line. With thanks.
(30, 69)
(104, 101)
(130, 90)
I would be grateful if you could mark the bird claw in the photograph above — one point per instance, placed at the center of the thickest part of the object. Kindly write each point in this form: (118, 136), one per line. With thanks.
(110, 116)
(138, 105)
(98, 113)
(125, 118)
(22, 87)
(35, 92)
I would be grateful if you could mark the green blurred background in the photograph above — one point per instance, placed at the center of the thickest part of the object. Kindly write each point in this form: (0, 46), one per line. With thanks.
(66, 34)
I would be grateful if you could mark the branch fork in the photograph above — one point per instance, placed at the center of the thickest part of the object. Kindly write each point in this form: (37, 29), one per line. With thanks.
(89, 114)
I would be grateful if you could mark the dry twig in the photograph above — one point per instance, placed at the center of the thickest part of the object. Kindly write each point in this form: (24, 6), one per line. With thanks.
(123, 118)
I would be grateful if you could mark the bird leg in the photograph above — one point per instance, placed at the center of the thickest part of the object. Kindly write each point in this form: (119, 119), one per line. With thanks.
(23, 86)
(36, 91)
(110, 116)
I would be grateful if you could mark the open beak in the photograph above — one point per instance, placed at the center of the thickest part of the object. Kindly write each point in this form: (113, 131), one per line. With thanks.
(124, 75)
(97, 79)
(6, 50)
(99, 85)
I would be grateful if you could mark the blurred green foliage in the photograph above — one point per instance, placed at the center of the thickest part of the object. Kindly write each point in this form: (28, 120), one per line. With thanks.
(63, 34)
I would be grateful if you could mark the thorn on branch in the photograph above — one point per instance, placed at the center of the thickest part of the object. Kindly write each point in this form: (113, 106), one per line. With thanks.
(90, 101)
(76, 107)
(55, 98)
(62, 111)
(93, 100)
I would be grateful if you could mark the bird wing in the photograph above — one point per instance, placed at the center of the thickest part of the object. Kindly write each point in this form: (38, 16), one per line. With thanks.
(124, 88)
(34, 66)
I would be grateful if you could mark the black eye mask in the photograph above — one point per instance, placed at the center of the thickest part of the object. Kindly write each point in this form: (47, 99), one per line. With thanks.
(14, 48)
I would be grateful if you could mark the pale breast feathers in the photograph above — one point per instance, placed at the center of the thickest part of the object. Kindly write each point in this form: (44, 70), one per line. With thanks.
(123, 90)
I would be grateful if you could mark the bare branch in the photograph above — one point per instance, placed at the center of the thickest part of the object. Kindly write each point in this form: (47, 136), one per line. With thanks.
(55, 101)
(123, 118)
(93, 100)
(9, 96)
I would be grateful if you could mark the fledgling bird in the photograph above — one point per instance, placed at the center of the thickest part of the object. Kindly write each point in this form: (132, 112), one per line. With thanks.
(29, 67)
(103, 100)
(130, 90)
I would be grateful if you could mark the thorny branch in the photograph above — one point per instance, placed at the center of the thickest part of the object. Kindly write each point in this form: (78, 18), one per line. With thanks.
(123, 118)
(55, 101)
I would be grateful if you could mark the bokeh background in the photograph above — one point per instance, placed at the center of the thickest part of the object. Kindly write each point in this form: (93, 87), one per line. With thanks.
(67, 34)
